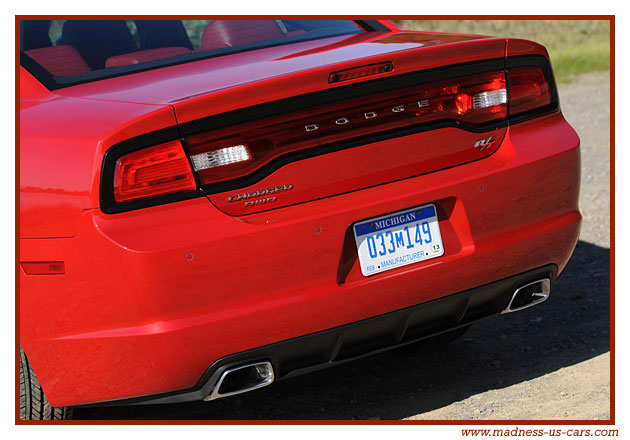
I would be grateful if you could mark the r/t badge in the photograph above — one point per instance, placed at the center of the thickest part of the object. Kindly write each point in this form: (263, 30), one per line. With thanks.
(482, 144)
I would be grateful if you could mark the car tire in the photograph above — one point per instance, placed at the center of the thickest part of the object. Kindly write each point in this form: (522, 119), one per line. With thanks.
(33, 402)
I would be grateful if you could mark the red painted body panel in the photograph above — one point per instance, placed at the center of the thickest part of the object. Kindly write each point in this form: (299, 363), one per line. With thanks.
(62, 143)
(139, 306)
(516, 46)
(150, 298)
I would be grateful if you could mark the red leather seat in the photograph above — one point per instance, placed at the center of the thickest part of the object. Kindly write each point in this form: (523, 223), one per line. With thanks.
(295, 33)
(59, 60)
(143, 56)
(227, 33)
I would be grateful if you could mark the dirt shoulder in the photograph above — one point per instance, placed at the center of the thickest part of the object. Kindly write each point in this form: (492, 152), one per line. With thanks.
(581, 391)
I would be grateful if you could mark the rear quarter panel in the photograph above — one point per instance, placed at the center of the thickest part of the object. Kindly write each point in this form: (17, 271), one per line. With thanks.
(62, 143)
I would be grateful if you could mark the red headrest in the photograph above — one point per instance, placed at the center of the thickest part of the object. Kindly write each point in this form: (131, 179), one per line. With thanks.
(142, 56)
(226, 33)
(59, 60)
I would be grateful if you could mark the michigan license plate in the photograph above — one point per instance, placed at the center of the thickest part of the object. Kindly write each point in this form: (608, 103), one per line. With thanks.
(395, 240)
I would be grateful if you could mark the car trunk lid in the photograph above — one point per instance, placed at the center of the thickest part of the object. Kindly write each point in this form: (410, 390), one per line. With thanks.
(337, 127)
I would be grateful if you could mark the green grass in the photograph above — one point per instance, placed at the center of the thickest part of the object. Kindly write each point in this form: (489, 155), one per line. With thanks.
(575, 46)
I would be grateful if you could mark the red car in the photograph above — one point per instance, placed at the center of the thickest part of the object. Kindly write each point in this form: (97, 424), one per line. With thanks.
(209, 206)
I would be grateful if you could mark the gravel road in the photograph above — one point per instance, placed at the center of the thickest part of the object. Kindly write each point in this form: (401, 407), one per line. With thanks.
(547, 362)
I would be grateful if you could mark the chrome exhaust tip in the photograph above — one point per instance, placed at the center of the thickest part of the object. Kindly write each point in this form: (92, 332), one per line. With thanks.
(529, 295)
(242, 379)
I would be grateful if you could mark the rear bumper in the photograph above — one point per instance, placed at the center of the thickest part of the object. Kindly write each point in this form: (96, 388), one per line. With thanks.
(152, 297)
(359, 339)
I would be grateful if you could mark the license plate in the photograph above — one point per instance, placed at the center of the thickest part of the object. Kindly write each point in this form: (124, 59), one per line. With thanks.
(395, 240)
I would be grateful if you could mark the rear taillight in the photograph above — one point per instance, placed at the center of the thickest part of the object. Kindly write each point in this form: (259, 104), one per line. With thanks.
(152, 172)
(470, 101)
(245, 145)
(529, 89)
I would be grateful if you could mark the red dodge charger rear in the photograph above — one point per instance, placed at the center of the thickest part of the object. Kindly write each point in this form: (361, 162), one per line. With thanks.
(208, 206)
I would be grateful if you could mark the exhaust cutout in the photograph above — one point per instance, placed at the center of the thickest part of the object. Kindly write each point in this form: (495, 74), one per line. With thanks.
(242, 379)
(529, 295)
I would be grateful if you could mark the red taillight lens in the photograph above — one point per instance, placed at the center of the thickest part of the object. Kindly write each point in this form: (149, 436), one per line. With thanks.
(153, 171)
(43, 267)
(528, 89)
(471, 100)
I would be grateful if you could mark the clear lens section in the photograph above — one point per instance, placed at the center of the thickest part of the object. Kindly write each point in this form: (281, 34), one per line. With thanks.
(218, 158)
(490, 99)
